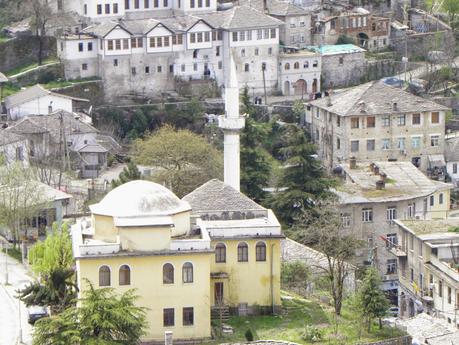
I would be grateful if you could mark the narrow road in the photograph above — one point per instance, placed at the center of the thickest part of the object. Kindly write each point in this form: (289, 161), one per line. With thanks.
(11, 318)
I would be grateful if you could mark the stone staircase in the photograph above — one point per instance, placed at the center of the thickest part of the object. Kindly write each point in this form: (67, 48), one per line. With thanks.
(215, 313)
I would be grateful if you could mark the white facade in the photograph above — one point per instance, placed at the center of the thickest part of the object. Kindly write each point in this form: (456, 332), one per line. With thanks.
(40, 106)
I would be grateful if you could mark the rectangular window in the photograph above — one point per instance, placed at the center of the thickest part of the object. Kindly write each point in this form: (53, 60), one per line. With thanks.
(415, 142)
(434, 140)
(235, 36)
(115, 62)
(338, 143)
(168, 317)
(192, 38)
(385, 144)
(171, 68)
(146, 3)
(391, 240)
(345, 220)
(242, 252)
(166, 41)
(273, 33)
(136, 4)
(152, 42)
(391, 266)
(115, 8)
(125, 43)
(207, 3)
(454, 168)
(133, 42)
(147, 69)
(249, 35)
(440, 199)
(386, 121)
(155, 3)
(117, 44)
(188, 316)
(199, 36)
(126, 4)
(99, 9)
(159, 69)
(182, 68)
(354, 146)
(411, 211)
(432, 200)
(195, 67)
(367, 215)
(370, 145)
(416, 119)
(192, 4)
(165, 3)
(259, 34)
(266, 34)
(133, 71)
(220, 65)
(449, 295)
(84, 67)
(270, 51)
(85, 9)
(80, 47)
(107, 8)
(354, 122)
(20, 153)
(435, 117)
(199, 3)
(90, 46)
(401, 143)
(371, 121)
(391, 214)
(241, 35)
(180, 39)
(217, 51)
(401, 120)
(440, 288)
(207, 36)
(159, 42)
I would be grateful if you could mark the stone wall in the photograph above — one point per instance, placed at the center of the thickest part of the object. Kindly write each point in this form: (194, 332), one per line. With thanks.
(405, 340)
(91, 90)
(23, 50)
(43, 74)
(348, 73)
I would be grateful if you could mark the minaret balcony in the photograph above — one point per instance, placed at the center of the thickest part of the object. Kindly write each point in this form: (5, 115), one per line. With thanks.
(231, 124)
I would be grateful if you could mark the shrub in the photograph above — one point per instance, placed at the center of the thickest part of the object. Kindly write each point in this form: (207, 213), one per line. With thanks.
(248, 335)
(312, 333)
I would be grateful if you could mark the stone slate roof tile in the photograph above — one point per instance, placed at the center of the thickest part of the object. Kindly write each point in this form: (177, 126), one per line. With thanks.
(375, 98)
(214, 195)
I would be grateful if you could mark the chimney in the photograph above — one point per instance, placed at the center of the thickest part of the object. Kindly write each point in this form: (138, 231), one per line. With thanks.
(352, 163)
(380, 184)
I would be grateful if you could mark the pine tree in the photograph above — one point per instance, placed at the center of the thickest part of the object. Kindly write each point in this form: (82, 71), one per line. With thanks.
(255, 165)
(303, 182)
(129, 173)
(372, 299)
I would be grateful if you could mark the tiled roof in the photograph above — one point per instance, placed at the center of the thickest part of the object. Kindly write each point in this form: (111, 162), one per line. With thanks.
(275, 7)
(375, 98)
(7, 137)
(214, 195)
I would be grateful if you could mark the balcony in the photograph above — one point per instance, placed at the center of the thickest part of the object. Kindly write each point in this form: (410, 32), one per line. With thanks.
(398, 251)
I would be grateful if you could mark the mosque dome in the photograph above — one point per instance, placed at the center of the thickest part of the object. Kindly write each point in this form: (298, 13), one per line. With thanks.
(140, 198)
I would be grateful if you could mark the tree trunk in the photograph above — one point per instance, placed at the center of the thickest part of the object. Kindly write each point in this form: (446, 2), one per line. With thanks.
(40, 50)
(380, 323)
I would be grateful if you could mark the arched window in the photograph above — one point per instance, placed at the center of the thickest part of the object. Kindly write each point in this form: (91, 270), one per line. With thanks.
(168, 274)
(296, 65)
(220, 253)
(125, 275)
(104, 276)
(287, 66)
(260, 250)
(187, 272)
(242, 252)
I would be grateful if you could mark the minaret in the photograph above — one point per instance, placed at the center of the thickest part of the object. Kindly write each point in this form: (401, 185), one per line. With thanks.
(231, 123)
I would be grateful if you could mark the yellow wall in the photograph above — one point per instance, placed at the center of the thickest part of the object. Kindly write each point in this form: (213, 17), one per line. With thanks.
(440, 211)
(181, 223)
(146, 278)
(103, 228)
(145, 238)
(248, 282)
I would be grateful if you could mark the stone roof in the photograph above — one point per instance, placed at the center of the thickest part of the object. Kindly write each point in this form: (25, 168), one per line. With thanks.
(276, 7)
(452, 149)
(403, 182)
(375, 98)
(90, 148)
(32, 93)
(8, 137)
(434, 226)
(52, 123)
(214, 195)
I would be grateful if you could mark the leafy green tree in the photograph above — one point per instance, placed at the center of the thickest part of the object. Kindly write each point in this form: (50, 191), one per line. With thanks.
(373, 301)
(451, 7)
(303, 182)
(295, 275)
(56, 290)
(255, 165)
(129, 173)
(343, 39)
(102, 318)
(185, 160)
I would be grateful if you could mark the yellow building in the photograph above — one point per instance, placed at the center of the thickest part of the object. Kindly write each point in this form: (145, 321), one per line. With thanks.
(182, 261)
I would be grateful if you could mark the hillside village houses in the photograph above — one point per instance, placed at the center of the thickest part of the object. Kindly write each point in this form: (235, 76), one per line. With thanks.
(214, 251)
(427, 254)
(373, 195)
(374, 121)
(13, 148)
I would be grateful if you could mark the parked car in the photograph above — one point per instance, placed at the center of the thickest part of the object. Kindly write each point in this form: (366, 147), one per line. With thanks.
(36, 312)
(392, 311)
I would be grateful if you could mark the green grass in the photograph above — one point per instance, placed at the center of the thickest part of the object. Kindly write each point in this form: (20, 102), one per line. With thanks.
(21, 69)
(14, 253)
(9, 89)
(300, 312)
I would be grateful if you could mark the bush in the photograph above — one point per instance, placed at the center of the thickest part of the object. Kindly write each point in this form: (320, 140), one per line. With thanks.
(14, 253)
(312, 333)
(249, 335)
(46, 77)
(343, 39)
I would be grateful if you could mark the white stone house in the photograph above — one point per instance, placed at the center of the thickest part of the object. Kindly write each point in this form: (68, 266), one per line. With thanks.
(36, 100)
(374, 121)
(373, 196)
(452, 159)
(13, 148)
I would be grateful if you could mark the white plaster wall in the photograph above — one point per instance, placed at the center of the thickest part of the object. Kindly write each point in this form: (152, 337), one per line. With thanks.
(9, 152)
(39, 106)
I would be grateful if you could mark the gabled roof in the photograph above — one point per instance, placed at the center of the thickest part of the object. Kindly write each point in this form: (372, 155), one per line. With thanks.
(103, 29)
(90, 148)
(276, 7)
(214, 195)
(8, 137)
(240, 17)
(32, 93)
(375, 98)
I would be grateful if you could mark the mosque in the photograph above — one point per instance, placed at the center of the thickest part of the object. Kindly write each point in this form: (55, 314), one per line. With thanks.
(211, 253)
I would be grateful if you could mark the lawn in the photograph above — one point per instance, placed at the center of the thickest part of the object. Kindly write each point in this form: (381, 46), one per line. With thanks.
(298, 313)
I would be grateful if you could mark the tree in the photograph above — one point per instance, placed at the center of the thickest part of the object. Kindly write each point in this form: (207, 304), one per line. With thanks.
(343, 39)
(102, 318)
(255, 165)
(321, 227)
(185, 160)
(41, 14)
(21, 198)
(295, 276)
(55, 252)
(303, 182)
(451, 7)
(373, 301)
(129, 173)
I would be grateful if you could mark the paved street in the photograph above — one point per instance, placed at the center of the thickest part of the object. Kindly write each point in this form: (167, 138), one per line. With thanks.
(9, 306)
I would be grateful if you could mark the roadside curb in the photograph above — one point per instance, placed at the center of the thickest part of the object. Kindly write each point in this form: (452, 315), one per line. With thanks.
(13, 304)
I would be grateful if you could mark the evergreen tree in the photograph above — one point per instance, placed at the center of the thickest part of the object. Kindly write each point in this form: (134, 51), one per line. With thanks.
(129, 173)
(372, 299)
(255, 165)
(303, 182)
(102, 317)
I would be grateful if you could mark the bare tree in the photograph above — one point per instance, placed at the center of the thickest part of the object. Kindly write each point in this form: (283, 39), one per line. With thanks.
(321, 228)
(41, 14)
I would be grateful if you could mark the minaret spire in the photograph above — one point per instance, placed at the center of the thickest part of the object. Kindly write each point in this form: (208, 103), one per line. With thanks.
(231, 123)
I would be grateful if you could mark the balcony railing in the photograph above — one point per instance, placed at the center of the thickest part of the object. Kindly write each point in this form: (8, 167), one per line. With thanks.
(397, 250)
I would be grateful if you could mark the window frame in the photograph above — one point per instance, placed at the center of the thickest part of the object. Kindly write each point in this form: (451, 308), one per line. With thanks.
(187, 311)
(128, 272)
(242, 252)
(166, 275)
(260, 251)
(109, 275)
(187, 273)
(168, 317)
(220, 253)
